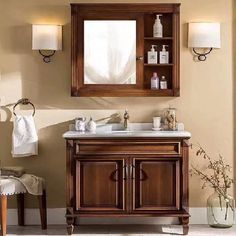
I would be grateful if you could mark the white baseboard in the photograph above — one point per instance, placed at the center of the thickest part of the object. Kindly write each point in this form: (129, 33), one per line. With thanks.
(56, 216)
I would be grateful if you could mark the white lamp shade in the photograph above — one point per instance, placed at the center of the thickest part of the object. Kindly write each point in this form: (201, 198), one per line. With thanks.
(204, 35)
(47, 37)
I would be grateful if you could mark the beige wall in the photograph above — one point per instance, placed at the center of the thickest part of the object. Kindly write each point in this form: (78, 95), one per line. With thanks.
(205, 105)
(234, 80)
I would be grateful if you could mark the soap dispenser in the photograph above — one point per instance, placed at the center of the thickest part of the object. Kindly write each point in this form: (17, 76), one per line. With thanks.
(164, 55)
(152, 55)
(158, 28)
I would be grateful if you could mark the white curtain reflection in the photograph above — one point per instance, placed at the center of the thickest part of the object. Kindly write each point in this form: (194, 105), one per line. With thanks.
(110, 52)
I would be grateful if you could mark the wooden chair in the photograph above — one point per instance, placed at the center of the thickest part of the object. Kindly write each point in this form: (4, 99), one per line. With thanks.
(13, 187)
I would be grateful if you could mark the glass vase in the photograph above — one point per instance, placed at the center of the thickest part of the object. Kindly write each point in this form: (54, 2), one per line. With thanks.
(220, 210)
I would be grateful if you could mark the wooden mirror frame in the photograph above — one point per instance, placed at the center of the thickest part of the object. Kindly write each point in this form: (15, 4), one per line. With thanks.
(81, 12)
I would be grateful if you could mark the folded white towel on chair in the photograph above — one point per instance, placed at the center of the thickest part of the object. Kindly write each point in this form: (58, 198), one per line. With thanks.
(24, 137)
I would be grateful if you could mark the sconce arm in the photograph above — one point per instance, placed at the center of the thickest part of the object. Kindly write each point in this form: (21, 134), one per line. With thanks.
(47, 58)
(202, 56)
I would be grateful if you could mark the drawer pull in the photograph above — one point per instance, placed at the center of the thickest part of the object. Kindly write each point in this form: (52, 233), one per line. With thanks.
(125, 172)
(143, 175)
(132, 171)
(113, 175)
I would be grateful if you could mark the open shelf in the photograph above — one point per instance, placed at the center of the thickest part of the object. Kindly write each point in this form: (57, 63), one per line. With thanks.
(170, 38)
(158, 39)
(153, 65)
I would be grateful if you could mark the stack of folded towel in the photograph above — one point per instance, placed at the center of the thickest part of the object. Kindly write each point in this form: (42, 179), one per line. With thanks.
(15, 171)
(33, 184)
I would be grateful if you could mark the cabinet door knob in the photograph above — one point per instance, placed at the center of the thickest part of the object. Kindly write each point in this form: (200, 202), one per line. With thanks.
(139, 58)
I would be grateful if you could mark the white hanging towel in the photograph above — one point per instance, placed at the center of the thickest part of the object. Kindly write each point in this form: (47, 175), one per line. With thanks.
(24, 137)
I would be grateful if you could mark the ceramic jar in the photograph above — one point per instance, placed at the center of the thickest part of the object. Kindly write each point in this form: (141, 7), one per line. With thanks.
(91, 126)
(80, 124)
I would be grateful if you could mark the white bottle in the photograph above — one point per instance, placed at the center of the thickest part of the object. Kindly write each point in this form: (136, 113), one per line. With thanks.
(91, 126)
(154, 81)
(158, 28)
(163, 83)
(164, 55)
(152, 55)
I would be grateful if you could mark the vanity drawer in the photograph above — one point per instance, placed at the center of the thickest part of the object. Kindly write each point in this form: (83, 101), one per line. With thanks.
(125, 147)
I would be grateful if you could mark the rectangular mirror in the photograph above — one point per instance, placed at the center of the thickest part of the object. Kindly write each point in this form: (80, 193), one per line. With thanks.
(109, 52)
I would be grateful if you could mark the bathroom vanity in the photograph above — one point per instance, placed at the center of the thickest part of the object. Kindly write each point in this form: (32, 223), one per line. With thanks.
(117, 173)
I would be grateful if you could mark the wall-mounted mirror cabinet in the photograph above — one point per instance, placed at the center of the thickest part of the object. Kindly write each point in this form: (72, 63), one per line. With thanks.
(110, 43)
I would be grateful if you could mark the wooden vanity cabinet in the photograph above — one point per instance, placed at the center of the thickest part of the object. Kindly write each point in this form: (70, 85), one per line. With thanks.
(127, 177)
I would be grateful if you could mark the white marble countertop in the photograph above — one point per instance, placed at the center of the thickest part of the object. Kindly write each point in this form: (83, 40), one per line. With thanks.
(110, 134)
(117, 130)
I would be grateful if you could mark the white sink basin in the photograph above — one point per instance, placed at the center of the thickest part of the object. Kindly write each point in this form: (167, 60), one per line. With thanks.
(121, 131)
(130, 131)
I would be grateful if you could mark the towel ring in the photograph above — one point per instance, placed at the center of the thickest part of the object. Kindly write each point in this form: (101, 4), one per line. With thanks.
(24, 101)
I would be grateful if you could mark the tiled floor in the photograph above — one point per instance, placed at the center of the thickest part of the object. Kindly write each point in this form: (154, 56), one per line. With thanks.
(122, 230)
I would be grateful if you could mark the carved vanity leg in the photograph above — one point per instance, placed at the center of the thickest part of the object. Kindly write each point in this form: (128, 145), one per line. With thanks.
(70, 225)
(180, 220)
(185, 222)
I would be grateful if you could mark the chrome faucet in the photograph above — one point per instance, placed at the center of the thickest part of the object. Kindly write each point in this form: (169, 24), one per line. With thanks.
(126, 119)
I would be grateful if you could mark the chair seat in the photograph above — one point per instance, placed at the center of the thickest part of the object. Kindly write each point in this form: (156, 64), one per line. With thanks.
(11, 186)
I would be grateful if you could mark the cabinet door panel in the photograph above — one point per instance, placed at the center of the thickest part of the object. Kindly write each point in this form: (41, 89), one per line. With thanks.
(156, 184)
(100, 184)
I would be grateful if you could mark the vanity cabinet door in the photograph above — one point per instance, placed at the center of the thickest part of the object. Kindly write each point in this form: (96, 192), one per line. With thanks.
(100, 184)
(156, 184)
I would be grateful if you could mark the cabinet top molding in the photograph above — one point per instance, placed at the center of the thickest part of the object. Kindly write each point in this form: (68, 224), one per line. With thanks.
(129, 7)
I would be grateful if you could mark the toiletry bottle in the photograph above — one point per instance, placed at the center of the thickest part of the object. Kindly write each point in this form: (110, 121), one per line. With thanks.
(163, 83)
(80, 124)
(158, 28)
(154, 81)
(91, 125)
(164, 55)
(152, 55)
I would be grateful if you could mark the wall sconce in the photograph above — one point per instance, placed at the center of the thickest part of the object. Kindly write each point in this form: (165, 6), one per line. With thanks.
(47, 38)
(204, 36)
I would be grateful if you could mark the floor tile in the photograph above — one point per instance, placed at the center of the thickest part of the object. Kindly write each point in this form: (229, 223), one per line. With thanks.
(121, 230)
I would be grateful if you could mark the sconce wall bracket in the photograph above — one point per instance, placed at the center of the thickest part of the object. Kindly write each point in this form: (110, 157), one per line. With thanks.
(202, 56)
(47, 58)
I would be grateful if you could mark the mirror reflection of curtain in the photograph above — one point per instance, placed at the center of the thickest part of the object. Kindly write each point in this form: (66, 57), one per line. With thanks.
(110, 52)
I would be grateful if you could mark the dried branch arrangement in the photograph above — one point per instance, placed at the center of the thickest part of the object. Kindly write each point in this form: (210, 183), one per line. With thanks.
(218, 177)
(219, 174)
